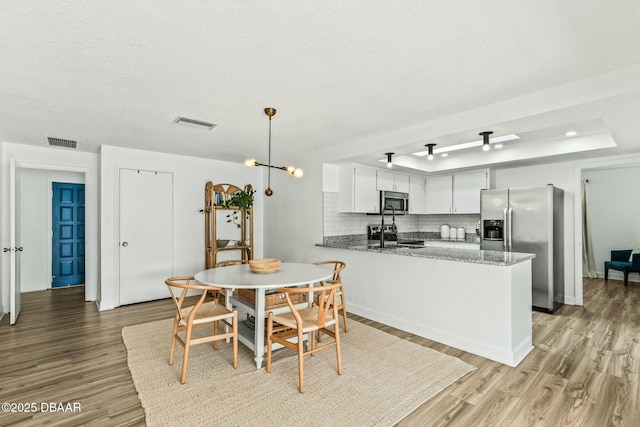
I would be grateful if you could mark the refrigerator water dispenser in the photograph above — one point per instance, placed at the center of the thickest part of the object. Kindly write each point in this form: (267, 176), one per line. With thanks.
(493, 229)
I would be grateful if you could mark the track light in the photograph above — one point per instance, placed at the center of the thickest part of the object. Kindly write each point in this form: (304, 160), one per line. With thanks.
(389, 162)
(485, 139)
(430, 149)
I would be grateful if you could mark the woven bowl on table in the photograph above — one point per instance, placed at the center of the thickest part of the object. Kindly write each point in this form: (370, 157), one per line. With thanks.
(265, 265)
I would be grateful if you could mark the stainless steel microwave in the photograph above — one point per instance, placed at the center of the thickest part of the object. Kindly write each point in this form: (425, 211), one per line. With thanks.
(398, 201)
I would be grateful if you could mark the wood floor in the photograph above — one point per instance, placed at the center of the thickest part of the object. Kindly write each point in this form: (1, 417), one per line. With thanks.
(584, 370)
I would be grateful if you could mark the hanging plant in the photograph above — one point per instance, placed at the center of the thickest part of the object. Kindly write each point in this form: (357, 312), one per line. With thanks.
(242, 200)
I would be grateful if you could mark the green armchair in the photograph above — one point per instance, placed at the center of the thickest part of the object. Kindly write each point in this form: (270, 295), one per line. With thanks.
(620, 261)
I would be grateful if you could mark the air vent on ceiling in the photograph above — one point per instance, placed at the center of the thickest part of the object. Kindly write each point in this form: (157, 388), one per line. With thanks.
(195, 123)
(62, 143)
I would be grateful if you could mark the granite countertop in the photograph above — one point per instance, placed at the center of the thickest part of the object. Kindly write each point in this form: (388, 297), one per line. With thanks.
(476, 256)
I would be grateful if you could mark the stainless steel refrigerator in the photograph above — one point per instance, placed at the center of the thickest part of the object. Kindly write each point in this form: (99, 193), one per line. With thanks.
(530, 220)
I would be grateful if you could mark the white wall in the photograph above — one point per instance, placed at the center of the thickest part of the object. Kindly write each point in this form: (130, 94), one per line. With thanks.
(293, 214)
(3, 219)
(45, 158)
(190, 175)
(34, 224)
(613, 210)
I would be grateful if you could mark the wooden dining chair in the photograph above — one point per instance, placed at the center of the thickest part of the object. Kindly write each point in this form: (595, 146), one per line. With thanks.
(320, 316)
(229, 262)
(338, 266)
(201, 314)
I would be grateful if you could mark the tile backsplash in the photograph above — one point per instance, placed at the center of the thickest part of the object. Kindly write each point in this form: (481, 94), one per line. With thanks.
(339, 223)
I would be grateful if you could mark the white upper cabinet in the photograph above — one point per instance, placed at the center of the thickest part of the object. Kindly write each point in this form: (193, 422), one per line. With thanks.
(439, 194)
(417, 195)
(466, 191)
(458, 193)
(391, 181)
(357, 189)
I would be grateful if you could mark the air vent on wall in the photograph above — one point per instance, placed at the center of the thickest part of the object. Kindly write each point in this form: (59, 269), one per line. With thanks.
(195, 123)
(62, 143)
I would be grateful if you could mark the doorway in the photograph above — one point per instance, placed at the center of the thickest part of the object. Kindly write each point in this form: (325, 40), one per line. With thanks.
(31, 206)
(35, 224)
(68, 235)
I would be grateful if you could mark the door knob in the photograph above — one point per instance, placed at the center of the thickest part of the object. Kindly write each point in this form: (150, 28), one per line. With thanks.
(5, 249)
(19, 249)
(125, 244)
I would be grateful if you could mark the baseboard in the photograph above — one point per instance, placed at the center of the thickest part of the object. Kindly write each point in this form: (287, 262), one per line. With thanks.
(102, 307)
(616, 275)
(509, 358)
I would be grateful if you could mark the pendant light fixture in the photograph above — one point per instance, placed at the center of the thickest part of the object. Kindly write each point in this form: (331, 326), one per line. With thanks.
(297, 172)
(389, 162)
(430, 149)
(485, 139)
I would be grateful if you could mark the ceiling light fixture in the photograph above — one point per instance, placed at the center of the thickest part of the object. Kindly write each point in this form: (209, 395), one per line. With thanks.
(297, 172)
(389, 162)
(485, 139)
(430, 150)
(467, 145)
(571, 133)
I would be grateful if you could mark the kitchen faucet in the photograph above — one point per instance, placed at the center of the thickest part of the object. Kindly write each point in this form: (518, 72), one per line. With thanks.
(382, 225)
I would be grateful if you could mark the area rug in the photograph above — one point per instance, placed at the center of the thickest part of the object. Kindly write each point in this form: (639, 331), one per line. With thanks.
(384, 379)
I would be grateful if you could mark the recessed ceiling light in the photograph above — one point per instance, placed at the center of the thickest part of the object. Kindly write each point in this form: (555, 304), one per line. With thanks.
(444, 155)
(571, 133)
(498, 146)
(503, 138)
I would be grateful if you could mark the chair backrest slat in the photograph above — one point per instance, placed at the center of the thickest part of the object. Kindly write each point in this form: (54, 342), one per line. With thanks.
(326, 301)
(338, 266)
(229, 262)
(182, 285)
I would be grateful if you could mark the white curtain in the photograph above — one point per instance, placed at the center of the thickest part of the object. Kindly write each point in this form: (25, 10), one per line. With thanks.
(588, 263)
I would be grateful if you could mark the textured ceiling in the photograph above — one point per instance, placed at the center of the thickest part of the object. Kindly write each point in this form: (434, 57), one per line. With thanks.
(349, 79)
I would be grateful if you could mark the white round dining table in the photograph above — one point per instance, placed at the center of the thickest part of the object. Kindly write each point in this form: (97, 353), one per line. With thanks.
(240, 276)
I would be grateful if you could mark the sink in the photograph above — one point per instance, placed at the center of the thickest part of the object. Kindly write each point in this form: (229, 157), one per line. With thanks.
(390, 247)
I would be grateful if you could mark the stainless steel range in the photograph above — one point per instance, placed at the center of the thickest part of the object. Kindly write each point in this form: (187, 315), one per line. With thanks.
(390, 236)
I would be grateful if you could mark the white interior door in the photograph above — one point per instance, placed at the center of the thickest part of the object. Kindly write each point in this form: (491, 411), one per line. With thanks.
(146, 235)
(14, 280)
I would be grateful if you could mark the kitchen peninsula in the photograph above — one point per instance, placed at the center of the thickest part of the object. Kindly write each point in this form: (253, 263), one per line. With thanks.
(475, 300)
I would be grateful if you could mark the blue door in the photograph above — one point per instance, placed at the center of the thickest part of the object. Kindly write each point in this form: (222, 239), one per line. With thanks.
(68, 235)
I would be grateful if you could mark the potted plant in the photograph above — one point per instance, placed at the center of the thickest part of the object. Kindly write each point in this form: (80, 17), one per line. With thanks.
(243, 200)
